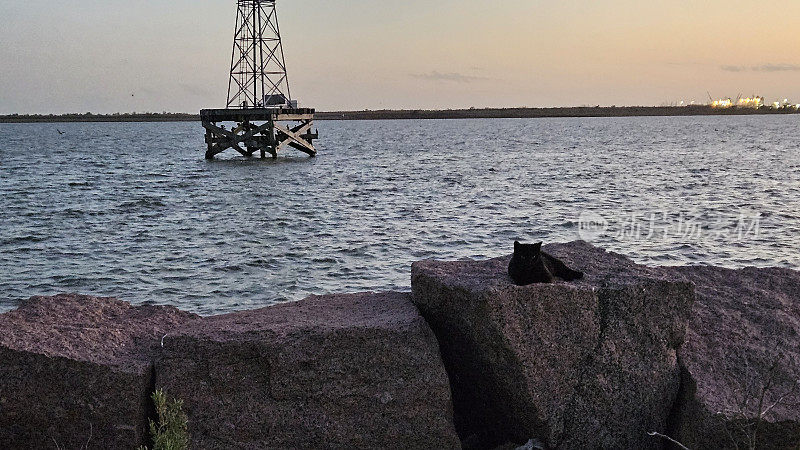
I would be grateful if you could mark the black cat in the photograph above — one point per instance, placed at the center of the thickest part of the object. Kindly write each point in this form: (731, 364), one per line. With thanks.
(531, 265)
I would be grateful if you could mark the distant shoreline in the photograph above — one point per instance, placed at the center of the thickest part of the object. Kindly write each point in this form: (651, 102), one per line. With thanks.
(482, 113)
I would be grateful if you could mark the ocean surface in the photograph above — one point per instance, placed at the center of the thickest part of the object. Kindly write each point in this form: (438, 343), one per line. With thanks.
(134, 211)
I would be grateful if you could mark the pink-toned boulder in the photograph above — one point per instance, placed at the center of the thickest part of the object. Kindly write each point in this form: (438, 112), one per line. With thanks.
(340, 371)
(741, 360)
(76, 371)
(588, 364)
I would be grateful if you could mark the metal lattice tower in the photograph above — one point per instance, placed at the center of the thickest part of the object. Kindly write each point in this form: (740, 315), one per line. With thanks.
(266, 119)
(258, 68)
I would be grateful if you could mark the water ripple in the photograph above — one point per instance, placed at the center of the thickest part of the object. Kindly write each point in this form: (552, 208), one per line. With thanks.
(157, 224)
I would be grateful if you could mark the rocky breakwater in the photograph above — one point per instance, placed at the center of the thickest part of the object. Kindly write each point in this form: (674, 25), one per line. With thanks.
(340, 371)
(708, 356)
(588, 364)
(77, 371)
(741, 360)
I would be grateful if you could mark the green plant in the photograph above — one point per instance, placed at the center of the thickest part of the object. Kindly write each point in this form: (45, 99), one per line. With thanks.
(171, 430)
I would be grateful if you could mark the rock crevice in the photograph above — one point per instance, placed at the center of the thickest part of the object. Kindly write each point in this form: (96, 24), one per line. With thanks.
(592, 363)
(741, 363)
(77, 371)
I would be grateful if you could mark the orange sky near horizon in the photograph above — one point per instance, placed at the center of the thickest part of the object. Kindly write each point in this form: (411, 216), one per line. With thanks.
(145, 55)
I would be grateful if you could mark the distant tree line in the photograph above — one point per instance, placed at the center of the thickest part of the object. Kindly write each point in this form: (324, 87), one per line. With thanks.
(471, 113)
(91, 117)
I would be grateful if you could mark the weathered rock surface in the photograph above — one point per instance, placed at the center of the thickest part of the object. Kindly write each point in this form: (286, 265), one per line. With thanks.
(742, 346)
(589, 364)
(76, 371)
(341, 371)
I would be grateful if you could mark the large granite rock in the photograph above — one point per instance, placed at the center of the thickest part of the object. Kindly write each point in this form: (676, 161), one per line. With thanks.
(342, 371)
(741, 360)
(76, 371)
(589, 364)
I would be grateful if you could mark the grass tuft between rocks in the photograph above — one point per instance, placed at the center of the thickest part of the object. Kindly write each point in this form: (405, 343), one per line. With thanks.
(170, 432)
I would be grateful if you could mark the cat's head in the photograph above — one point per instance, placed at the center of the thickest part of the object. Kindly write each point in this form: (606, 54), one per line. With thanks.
(528, 252)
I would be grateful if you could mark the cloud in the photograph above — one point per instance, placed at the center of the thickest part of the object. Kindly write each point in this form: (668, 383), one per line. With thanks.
(453, 77)
(733, 68)
(764, 68)
(778, 68)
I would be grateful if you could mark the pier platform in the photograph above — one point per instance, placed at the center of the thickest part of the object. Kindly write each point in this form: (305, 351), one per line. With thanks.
(262, 130)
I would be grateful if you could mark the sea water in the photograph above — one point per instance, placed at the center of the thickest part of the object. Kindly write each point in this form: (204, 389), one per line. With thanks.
(132, 210)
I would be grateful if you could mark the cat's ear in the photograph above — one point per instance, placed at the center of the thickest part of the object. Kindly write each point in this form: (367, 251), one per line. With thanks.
(516, 245)
(538, 247)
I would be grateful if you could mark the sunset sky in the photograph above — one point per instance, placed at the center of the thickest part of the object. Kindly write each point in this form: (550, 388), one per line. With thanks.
(136, 55)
